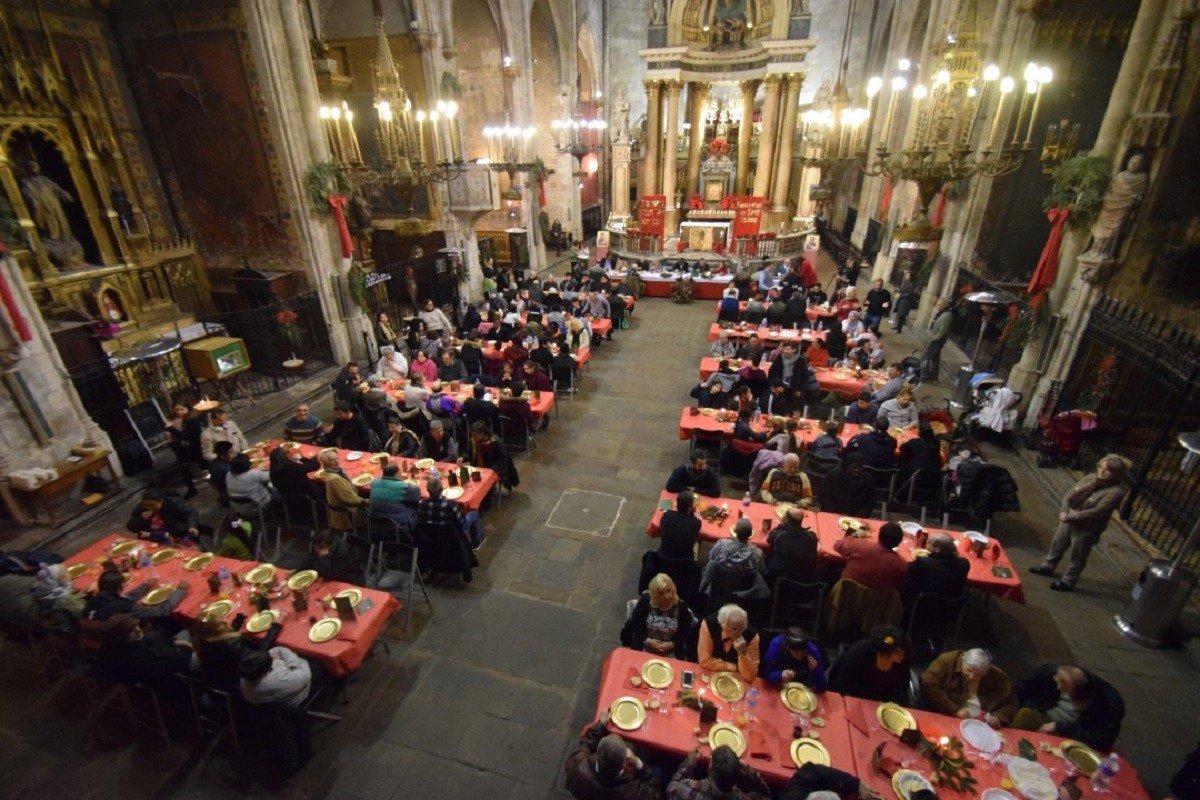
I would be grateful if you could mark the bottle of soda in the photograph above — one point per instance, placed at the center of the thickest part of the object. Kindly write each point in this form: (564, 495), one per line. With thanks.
(1105, 772)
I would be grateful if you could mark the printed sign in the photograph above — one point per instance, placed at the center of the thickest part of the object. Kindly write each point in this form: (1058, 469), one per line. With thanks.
(748, 216)
(651, 213)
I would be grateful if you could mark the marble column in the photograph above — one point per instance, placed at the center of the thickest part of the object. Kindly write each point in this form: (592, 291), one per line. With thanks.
(698, 95)
(650, 164)
(670, 144)
(787, 132)
(745, 134)
(620, 180)
(766, 137)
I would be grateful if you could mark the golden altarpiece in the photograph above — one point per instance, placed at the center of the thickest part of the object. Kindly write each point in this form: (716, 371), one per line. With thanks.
(86, 247)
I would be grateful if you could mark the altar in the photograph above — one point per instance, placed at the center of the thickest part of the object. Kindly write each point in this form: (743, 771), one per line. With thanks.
(706, 236)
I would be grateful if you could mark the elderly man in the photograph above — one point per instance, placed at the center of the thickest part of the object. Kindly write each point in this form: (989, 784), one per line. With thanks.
(723, 347)
(793, 550)
(392, 364)
(728, 643)
(939, 332)
(438, 444)
(727, 778)
(1068, 701)
(437, 510)
(340, 494)
(787, 484)
(696, 475)
(943, 572)
(966, 684)
(603, 767)
(874, 564)
(301, 426)
(220, 429)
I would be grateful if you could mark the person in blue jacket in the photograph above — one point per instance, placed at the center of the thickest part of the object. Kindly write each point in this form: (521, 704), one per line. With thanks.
(793, 656)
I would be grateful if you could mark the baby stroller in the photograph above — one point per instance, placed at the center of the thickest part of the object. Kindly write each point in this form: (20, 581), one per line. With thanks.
(1059, 439)
(994, 409)
(910, 370)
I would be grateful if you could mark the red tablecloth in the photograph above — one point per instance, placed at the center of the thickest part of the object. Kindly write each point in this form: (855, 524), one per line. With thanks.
(824, 524)
(866, 734)
(472, 498)
(813, 313)
(690, 424)
(769, 338)
(540, 405)
(769, 735)
(702, 289)
(831, 379)
(340, 656)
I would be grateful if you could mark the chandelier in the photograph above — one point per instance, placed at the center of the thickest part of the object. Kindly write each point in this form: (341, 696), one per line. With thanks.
(830, 131)
(578, 136)
(509, 147)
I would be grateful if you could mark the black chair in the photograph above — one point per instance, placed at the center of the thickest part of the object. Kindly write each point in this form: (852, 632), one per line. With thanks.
(922, 491)
(817, 468)
(258, 517)
(885, 482)
(794, 603)
(710, 443)
(516, 435)
(936, 620)
(212, 711)
(564, 382)
(398, 572)
(685, 572)
(302, 513)
(445, 549)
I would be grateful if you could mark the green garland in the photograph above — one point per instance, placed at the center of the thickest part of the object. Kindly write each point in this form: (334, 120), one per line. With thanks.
(10, 229)
(1078, 184)
(323, 179)
(356, 282)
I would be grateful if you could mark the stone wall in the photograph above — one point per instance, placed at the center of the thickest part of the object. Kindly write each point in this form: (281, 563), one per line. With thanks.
(624, 35)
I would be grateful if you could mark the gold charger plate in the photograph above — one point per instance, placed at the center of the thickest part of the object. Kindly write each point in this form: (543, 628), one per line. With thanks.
(302, 579)
(196, 563)
(1082, 756)
(423, 463)
(708, 412)
(218, 610)
(121, 548)
(263, 573)
(657, 673)
(920, 552)
(262, 620)
(363, 480)
(628, 713)
(255, 463)
(380, 458)
(354, 594)
(798, 698)
(809, 751)
(163, 556)
(324, 629)
(453, 492)
(894, 718)
(725, 734)
(75, 570)
(157, 595)
(328, 450)
(728, 687)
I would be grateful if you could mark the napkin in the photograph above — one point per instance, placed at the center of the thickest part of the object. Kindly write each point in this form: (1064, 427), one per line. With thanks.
(757, 746)
(854, 716)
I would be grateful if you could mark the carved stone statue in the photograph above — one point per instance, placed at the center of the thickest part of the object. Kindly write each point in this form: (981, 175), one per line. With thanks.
(658, 13)
(44, 198)
(620, 115)
(119, 202)
(1125, 193)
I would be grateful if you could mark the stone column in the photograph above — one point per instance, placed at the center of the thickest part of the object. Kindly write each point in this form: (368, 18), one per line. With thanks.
(766, 137)
(745, 134)
(620, 180)
(650, 164)
(670, 143)
(787, 131)
(698, 94)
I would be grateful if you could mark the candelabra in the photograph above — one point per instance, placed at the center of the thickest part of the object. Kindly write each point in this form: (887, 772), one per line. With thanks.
(509, 149)
(578, 136)
(1061, 138)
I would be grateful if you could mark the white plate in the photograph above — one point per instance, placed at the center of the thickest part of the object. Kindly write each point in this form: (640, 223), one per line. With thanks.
(996, 794)
(1032, 779)
(910, 528)
(976, 536)
(980, 735)
(355, 456)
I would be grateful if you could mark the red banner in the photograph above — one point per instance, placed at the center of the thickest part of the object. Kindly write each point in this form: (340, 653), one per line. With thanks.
(748, 219)
(651, 211)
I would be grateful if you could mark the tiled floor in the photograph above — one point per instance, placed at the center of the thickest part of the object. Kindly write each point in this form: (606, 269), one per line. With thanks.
(487, 696)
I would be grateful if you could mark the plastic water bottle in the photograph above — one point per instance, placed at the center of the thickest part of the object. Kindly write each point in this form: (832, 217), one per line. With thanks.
(434, 473)
(746, 500)
(752, 702)
(223, 573)
(1105, 772)
(764, 323)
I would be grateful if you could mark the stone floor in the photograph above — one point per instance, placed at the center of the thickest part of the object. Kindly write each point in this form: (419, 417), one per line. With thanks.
(486, 696)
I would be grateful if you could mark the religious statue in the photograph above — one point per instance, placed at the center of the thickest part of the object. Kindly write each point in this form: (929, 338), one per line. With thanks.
(44, 198)
(1125, 193)
(658, 13)
(620, 115)
(119, 201)
(360, 210)
(729, 22)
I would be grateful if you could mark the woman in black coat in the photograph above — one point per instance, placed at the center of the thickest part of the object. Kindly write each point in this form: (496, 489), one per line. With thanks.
(875, 668)
(661, 623)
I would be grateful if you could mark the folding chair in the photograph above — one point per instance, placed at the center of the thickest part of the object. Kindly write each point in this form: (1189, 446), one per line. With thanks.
(515, 434)
(922, 492)
(399, 574)
(885, 483)
(248, 508)
(564, 383)
(212, 711)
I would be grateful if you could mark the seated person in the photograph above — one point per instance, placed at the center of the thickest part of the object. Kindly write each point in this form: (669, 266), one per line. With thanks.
(782, 436)
(333, 559)
(874, 563)
(133, 654)
(400, 440)
(301, 426)
(219, 650)
(423, 365)
(853, 326)
(696, 475)
(780, 401)
(862, 411)
(438, 444)
(943, 572)
(742, 429)
(392, 364)
(890, 387)
(874, 668)
(394, 498)
(375, 401)
(900, 411)
(727, 778)
(877, 447)
(859, 356)
(753, 349)
(249, 485)
(276, 675)
(1066, 700)
(827, 446)
(438, 510)
(787, 484)
(516, 407)
(793, 550)
(835, 344)
(848, 490)
(451, 367)
(829, 783)
(923, 452)
(817, 354)
(723, 348)
(536, 378)
(755, 308)
(737, 555)
(108, 601)
(488, 452)
(603, 767)
(712, 390)
(477, 408)
(661, 623)
(728, 643)
(966, 684)
(679, 528)
(289, 473)
(794, 656)
(163, 519)
(349, 430)
(236, 539)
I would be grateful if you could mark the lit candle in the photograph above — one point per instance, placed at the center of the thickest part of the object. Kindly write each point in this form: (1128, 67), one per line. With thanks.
(1045, 75)
(421, 134)
(919, 93)
(434, 118)
(898, 86)
(348, 114)
(1006, 87)
(456, 151)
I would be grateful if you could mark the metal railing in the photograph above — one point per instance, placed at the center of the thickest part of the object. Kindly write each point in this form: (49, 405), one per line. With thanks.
(1141, 376)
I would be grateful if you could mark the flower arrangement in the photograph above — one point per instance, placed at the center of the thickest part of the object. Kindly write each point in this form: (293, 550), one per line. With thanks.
(288, 329)
(718, 147)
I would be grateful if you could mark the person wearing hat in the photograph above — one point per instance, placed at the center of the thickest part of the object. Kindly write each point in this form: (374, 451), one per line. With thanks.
(603, 767)
(794, 656)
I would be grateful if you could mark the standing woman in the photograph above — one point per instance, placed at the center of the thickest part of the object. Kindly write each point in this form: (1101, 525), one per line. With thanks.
(1083, 517)
(183, 437)
(906, 300)
(385, 334)
(435, 321)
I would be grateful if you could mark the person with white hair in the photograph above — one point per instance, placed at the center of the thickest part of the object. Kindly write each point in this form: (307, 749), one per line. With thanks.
(392, 364)
(966, 684)
(728, 643)
(723, 347)
(943, 572)
(787, 483)
(603, 767)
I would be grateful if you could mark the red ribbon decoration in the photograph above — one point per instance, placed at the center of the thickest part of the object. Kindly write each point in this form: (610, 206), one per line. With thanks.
(14, 311)
(338, 204)
(1047, 267)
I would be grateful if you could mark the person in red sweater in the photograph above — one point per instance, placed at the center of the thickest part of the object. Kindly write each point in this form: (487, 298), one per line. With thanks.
(847, 304)
(535, 378)
(874, 564)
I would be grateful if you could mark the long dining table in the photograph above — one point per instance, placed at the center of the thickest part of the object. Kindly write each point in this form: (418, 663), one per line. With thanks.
(813, 313)
(340, 656)
(842, 381)
(992, 572)
(710, 422)
(539, 405)
(846, 727)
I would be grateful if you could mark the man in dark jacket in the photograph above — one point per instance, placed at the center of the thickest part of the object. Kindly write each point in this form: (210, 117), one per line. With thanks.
(345, 385)
(603, 767)
(877, 448)
(793, 550)
(943, 572)
(879, 305)
(1068, 701)
(476, 409)
(333, 559)
(163, 519)
(132, 654)
(679, 528)
(819, 778)
(349, 430)
(289, 474)
(863, 411)
(847, 490)
(778, 402)
(108, 601)
(696, 475)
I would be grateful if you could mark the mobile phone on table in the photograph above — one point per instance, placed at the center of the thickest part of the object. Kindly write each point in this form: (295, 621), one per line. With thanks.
(689, 679)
